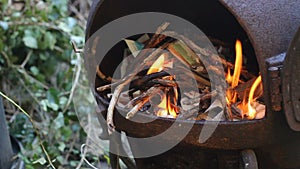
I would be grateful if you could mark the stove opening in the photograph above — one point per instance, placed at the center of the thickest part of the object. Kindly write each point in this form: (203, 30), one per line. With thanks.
(156, 87)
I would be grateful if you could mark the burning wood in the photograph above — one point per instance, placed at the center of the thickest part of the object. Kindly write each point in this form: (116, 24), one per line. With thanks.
(160, 80)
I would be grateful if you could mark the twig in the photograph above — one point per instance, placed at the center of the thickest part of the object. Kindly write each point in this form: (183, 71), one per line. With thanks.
(199, 79)
(75, 82)
(187, 114)
(30, 92)
(79, 15)
(9, 64)
(187, 56)
(33, 125)
(103, 76)
(75, 48)
(201, 97)
(137, 83)
(71, 148)
(83, 152)
(108, 86)
(126, 80)
(209, 58)
(26, 59)
(157, 37)
(24, 72)
(43, 24)
(141, 100)
(153, 42)
(119, 89)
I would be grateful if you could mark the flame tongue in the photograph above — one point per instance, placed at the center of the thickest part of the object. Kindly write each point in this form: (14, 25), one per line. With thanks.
(231, 95)
(233, 80)
(238, 64)
(251, 111)
(169, 98)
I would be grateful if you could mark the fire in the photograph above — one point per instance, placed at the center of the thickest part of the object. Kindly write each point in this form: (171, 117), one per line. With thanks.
(166, 106)
(233, 80)
(251, 99)
(158, 65)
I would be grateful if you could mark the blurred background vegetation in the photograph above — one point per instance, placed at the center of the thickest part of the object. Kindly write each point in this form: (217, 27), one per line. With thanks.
(37, 65)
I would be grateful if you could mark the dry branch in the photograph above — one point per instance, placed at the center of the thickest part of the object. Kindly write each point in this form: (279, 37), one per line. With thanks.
(127, 79)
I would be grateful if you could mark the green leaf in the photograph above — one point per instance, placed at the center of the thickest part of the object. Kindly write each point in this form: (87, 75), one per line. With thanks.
(73, 163)
(1, 45)
(67, 133)
(61, 146)
(64, 27)
(60, 159)
(71, 22)
(49, 40)
(34, 70)
(52, 96)
(77, 39)
(62, 102)
(30, 42)
(59, 121)
(52, 99)
(44, 105)
(4, 25)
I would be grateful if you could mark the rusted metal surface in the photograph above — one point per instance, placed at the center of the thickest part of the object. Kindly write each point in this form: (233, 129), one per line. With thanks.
(274, 66)
(291, 84)
(270, 25)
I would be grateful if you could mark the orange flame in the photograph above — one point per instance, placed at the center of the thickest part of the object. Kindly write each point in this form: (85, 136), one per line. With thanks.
(165, 106)
(238, 64)
(233, 80)
(158, 65)
(251, 111)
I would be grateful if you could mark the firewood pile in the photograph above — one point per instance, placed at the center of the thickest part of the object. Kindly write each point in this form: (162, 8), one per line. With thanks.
(172, 78)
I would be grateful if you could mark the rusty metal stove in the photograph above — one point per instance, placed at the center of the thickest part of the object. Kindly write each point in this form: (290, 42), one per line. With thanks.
(270, 27)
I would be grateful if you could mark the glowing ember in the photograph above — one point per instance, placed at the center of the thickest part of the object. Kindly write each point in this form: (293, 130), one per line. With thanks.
(166, 106)
(246, 106)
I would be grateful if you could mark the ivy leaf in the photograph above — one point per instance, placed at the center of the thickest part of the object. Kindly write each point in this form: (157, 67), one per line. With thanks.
(62, 102)
(4, 25)
(60, 159)
(59, 121)
(52, 95)
(52, 99)
(64, 27)
(71, 22)
(61, 146)
(49, 40)
(34, 70)
(30, 42)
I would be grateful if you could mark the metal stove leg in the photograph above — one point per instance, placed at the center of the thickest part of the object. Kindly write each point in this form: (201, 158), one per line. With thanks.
(249, 159)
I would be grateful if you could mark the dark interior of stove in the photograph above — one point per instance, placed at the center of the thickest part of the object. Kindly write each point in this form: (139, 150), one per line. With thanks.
(267, 136)
(220, 25)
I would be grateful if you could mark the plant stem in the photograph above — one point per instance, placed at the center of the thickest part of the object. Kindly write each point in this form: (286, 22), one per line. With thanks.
(33, 125)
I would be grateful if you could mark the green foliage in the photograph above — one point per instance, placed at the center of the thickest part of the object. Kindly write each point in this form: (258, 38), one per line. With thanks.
(36, 71)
